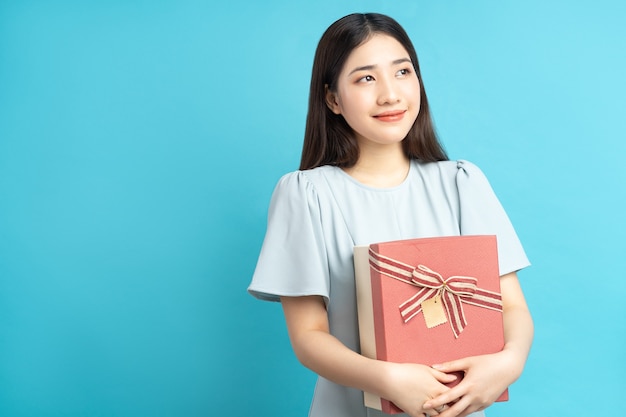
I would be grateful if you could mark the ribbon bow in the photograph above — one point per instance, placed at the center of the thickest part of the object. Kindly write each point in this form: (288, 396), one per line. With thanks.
(454, 291)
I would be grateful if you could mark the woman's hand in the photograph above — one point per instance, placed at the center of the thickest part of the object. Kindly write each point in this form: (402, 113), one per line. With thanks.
(486, 378)
(409, 386)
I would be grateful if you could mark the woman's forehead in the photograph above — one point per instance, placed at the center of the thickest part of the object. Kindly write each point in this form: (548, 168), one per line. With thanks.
(377, 50)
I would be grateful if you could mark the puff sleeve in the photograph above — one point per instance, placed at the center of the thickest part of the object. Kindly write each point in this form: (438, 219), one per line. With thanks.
(293, 260)
(481, 213)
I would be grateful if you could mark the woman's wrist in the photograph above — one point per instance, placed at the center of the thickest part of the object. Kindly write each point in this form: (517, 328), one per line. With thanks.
(381, 377)
(514, 361)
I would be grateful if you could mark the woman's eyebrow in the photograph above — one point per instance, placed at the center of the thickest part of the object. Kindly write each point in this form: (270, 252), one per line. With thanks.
(401, 61)
(371, 67)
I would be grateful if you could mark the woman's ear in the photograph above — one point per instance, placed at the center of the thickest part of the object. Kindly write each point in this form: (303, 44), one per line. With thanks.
(331, 101)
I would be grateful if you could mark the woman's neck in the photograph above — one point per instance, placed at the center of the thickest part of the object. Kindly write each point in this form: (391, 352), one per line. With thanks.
(381, 168)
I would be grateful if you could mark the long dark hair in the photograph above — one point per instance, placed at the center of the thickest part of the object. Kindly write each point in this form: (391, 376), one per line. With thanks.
(328, 139)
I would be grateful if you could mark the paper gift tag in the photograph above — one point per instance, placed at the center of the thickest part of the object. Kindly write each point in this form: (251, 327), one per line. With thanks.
(433, 311)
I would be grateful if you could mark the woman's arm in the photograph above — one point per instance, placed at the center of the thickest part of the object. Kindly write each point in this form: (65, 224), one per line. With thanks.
(406, 385)
(487, 376)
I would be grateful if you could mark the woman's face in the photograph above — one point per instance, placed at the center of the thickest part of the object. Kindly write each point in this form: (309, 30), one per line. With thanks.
(378, 92)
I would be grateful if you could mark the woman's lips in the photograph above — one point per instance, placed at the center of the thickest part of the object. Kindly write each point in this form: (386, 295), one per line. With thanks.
(390, 116)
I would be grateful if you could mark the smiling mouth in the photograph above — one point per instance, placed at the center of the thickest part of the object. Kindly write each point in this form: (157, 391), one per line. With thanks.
(391, 116)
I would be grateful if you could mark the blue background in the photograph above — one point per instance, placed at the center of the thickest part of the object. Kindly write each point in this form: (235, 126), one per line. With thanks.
(139, 145)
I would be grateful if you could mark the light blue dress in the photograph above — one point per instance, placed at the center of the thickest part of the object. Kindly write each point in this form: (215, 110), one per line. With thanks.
(317, 216)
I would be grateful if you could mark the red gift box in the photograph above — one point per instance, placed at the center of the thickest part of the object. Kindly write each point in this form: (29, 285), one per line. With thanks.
(428, 301)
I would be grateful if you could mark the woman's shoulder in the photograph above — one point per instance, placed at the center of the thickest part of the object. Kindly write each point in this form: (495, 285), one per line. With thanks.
(312, 174)
(306, 176)
(307, 182)
(450, 168)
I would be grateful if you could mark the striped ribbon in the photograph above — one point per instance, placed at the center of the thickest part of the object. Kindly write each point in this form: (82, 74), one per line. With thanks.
(454, 291)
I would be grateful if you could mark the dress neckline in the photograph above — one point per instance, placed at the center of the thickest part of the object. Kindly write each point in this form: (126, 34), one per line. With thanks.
(378, 189)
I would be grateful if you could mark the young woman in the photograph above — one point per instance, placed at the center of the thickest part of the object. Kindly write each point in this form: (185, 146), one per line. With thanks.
(372, 170)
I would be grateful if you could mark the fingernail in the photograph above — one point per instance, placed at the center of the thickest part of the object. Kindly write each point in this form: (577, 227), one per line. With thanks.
(437, 366)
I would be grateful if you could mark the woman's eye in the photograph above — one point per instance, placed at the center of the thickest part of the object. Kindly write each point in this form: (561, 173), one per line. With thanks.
(404, 71)
(367, 78)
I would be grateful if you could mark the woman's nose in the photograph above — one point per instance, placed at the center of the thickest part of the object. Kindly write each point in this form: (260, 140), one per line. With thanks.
(387, 92)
